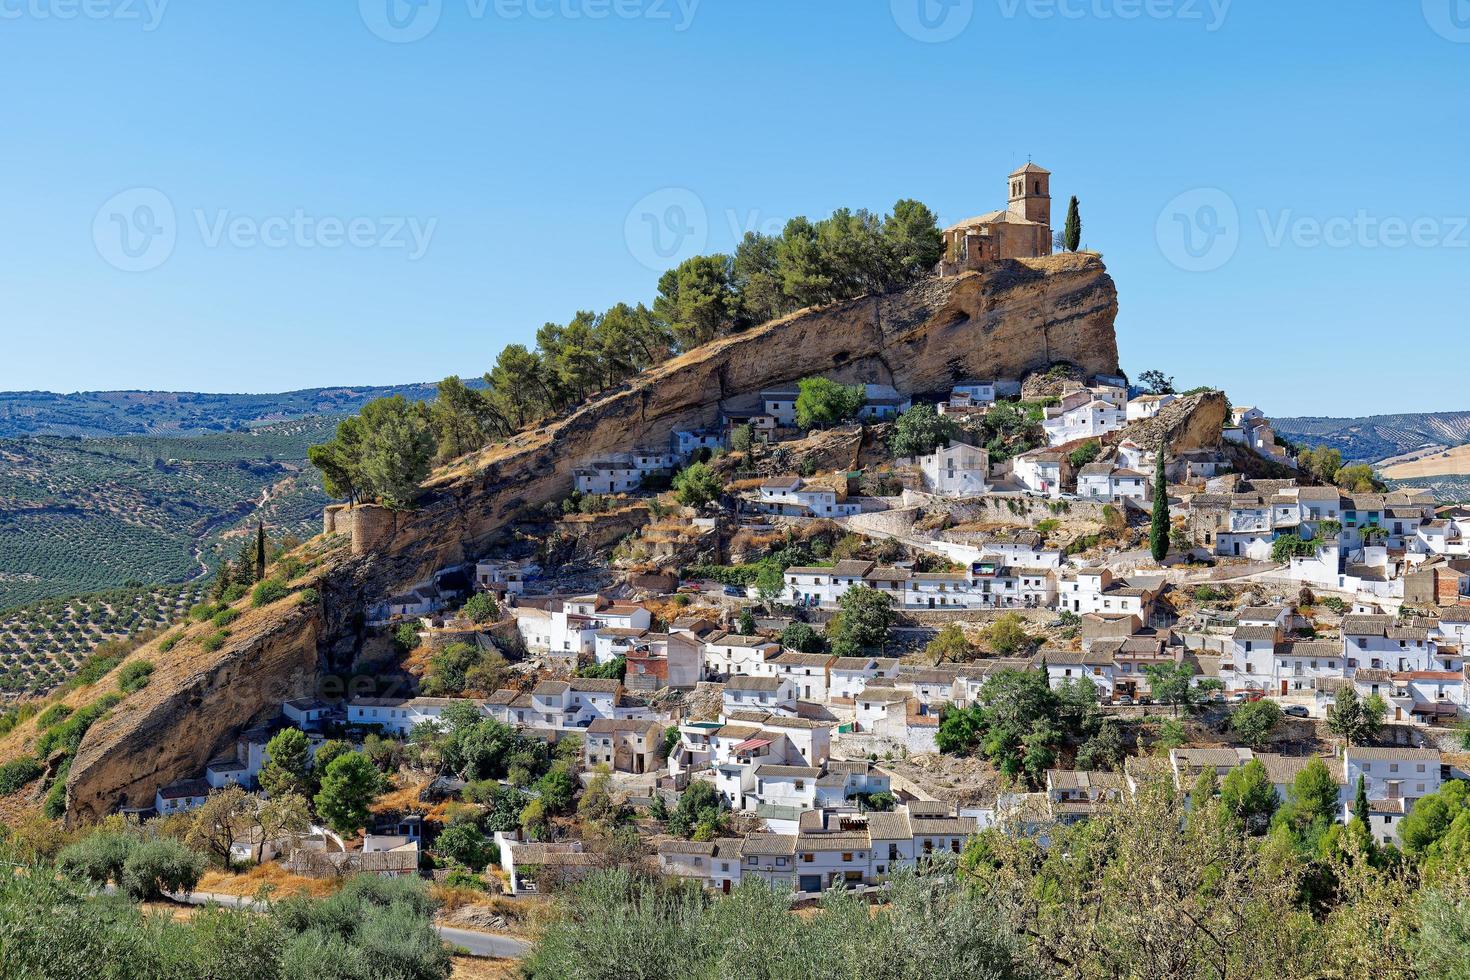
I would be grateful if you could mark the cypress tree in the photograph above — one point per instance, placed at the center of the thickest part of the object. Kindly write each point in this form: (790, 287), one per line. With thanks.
(1158, 534)
(1360, 802)
(259, 550)
(1072, 231)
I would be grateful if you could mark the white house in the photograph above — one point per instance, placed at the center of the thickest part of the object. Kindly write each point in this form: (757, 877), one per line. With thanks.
(1100, 481)
(1394, 779)
(687, 442)
(792, 497)
(806, 671)
(399, 716)
(746, 693)
(1081, 416)
(1040, 471)
(883, 402)
(1094, 590)
(969, 398)
(603, 476)
(504, 576)
(1148, 406)
(822, 586)
(780, 404)
(184, 795)
(958, 471)
(731, 654)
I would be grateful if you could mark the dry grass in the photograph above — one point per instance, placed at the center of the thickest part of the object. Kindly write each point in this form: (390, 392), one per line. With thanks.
(271, 874)
(1451, 462)
(476, 968)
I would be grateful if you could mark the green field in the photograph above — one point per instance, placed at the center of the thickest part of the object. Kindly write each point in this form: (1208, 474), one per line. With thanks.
(98, 414)
(81, 515)
(43, 643)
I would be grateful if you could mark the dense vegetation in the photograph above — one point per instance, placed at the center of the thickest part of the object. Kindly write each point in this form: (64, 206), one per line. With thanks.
(386, 452)
(1162, 886)
(53, 927)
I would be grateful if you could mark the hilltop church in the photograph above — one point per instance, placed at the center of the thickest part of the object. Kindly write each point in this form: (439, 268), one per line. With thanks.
(1021, 231)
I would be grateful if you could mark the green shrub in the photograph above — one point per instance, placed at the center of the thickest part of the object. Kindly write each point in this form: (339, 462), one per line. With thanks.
(68, 735)
(18, 773)
(55, 806)
(460, 878)
(268, 591)
(225, 617)
(406, 637)
(160, 865)
(98, 858)
(215, 640)
(168, 643)
(52, 715)
(134, 675)
(310, 597)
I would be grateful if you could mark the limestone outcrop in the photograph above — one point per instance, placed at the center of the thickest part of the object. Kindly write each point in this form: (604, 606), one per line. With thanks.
(1013, 319)
(194, 706)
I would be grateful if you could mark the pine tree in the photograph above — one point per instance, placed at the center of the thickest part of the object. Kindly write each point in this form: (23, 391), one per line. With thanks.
(1360, 802)
(1072, 231)
(1158, 535)
(259, 550)
(222, 581)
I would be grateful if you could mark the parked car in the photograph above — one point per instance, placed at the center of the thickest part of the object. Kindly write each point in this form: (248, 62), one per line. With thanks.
(1125, 700)
(735, 591)
(1297, 711)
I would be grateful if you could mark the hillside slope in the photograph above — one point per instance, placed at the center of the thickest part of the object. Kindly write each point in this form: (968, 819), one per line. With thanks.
(1004, 324)
(81, 515)
(1377, 437)
(96, 414)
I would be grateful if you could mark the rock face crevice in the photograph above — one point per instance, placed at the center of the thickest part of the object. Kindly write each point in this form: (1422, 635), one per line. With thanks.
(1013, 319)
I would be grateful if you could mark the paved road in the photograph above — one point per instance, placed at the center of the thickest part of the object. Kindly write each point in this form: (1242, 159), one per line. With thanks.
(475, 943)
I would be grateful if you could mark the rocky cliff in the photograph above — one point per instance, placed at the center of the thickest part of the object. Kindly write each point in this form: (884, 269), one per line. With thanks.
(1004, 323)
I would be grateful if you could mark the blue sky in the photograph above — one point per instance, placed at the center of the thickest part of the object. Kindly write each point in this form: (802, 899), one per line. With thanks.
(272, 195)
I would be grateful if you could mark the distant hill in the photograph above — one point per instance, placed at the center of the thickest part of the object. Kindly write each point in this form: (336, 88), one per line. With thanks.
(98, 414)
(81, 515)
(1379, 437)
